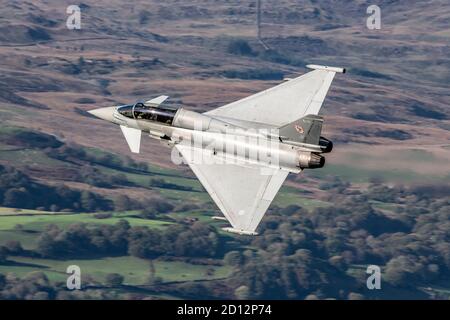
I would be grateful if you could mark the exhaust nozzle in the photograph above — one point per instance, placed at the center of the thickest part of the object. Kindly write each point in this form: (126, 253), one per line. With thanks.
(309, 160)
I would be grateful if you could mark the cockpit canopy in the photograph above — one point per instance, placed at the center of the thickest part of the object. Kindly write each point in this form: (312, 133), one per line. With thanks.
(140, 111)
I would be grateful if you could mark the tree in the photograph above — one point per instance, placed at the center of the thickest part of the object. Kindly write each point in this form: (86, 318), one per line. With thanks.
(87, 200)
(3, 254)
(242, 293)
(355, 296)
(193, 289)
(148, 213)
(158, 205)
(290, 210)
(46, 245)
(122, 203)
(114, 279)
(14, 197)
(240, 47)
(13, 247)
(401, 271)
(152, 272)
(41, 295)
(38, 278)
(2, 281)
(338, 262)
(233, 258)
(199, 241)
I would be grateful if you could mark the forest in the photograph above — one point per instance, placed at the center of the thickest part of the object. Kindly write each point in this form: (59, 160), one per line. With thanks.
(300, 254)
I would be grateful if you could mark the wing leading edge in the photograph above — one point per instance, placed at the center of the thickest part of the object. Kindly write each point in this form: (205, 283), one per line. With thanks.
(242, 192)
(286, 102)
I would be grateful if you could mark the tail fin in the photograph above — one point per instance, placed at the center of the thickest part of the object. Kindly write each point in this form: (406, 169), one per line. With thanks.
(306, 130)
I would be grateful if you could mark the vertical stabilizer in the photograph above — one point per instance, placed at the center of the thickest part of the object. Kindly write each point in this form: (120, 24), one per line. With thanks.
(305, 130)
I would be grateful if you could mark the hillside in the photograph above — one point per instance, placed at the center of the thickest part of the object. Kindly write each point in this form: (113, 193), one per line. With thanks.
(394, 97)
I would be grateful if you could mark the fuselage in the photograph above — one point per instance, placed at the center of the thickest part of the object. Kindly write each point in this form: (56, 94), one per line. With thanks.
(226, 139)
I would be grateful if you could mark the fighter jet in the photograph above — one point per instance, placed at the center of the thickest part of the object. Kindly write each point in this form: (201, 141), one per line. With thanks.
(241, 152)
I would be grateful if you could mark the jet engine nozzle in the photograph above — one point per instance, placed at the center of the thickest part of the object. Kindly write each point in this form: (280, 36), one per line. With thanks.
(309, 160)
(326, 145)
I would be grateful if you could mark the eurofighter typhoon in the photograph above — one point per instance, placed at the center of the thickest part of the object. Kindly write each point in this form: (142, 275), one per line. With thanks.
(241, 152)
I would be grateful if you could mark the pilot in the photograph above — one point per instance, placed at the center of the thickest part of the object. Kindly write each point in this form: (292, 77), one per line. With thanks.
(139, 111)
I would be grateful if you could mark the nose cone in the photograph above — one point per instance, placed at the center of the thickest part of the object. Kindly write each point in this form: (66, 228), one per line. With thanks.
(104, 113)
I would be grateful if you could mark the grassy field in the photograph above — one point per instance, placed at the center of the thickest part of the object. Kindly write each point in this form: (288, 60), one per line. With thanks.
(135, 271)
(291, 196)
(399, 166)
(384, 205)
(14, 211)
(356, 174)
(29, 157)
(38, 222)
(32, 225)
(27, 239)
